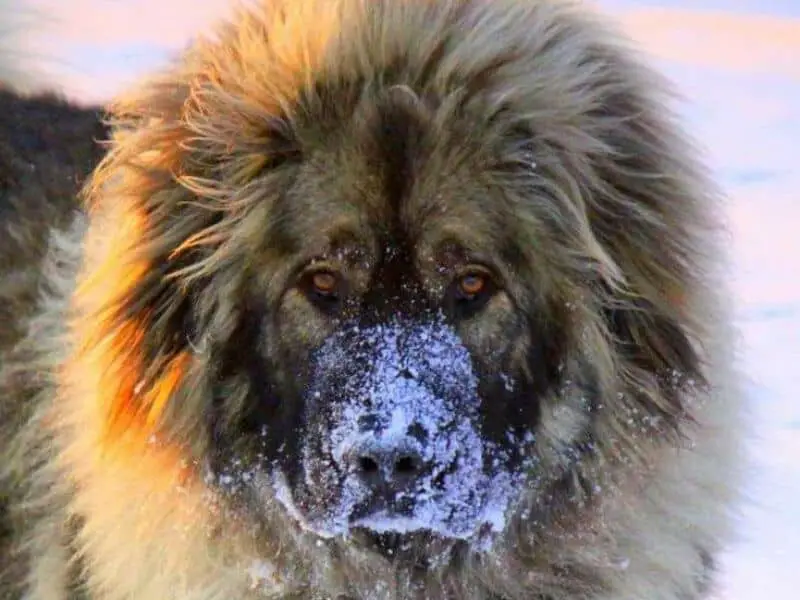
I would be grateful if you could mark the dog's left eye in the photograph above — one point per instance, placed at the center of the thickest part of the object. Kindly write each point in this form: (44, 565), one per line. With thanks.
(471, 285)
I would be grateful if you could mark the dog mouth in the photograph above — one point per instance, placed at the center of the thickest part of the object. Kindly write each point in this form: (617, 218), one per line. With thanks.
(419, 549)
(408, 524)
(388, 544)
(403, 537)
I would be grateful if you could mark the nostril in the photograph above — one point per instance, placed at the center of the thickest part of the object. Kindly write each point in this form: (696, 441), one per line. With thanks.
(406, 465)
(385, 466)
(367, 465)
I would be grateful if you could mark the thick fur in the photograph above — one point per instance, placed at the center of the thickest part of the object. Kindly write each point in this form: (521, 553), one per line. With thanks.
(48, 147)
(523, 130)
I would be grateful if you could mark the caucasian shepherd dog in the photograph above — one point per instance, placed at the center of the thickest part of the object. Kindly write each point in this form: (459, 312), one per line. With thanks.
(373, 299)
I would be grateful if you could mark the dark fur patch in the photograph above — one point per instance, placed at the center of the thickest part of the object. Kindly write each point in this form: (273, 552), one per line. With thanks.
(47, 149)
(48, 146)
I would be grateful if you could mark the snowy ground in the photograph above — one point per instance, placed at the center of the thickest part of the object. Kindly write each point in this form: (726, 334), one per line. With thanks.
(738, 64)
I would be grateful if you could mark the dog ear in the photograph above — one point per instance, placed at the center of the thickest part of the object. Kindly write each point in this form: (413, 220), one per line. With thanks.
(652, 211)
(168, 218)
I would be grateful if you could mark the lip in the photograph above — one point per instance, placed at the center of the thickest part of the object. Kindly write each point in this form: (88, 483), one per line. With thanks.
(397, 546)
(411, 525)
(379, 506)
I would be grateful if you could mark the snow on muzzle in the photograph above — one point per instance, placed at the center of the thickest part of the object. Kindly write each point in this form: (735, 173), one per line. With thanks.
(392, 441)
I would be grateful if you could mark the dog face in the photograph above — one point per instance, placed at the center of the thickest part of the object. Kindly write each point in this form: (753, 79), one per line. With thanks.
(396, 372)
(397, 290)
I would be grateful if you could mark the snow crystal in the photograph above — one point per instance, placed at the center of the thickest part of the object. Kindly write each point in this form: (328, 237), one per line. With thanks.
(623, 563)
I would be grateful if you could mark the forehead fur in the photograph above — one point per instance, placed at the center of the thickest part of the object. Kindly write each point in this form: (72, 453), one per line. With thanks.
(319, 83)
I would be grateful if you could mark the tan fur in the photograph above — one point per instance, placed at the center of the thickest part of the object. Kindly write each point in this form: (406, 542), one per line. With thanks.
(116, 506)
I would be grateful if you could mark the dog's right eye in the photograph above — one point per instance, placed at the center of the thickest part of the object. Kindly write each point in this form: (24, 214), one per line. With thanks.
(469, 292)
(324, 283)
(324, 288)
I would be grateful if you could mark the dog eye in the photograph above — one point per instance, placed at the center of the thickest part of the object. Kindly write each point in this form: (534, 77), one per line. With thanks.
(468, 292)
(325, 284)
(325, 288)
(471, 285)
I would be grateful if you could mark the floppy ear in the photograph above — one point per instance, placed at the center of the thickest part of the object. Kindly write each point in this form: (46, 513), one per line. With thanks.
(649, 310)
(171, 215)
(653, 212)
(130, 316)
(134, 307)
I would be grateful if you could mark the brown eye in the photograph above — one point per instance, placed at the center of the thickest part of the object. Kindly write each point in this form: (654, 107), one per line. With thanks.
(471, 284)
(324, 283)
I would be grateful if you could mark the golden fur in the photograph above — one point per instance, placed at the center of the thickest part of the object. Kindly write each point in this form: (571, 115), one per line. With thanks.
(615, 226)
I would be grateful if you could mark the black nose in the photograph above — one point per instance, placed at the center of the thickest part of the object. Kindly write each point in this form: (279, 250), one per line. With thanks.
(392, 465)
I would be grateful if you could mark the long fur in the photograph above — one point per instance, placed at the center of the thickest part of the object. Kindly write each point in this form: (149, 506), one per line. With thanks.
(615, 224)
(48, 146)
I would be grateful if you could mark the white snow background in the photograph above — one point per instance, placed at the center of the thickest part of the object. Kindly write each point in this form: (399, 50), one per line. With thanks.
(737, 62)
